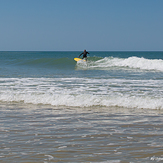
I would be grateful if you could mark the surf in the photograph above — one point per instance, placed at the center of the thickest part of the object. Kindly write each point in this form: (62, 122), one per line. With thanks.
(83, 92)
(133, 62)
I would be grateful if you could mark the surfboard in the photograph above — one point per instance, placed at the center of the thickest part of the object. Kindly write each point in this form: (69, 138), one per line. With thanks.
(79, 59)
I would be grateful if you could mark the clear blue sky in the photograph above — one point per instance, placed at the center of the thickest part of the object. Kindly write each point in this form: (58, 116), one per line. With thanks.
(108, 25)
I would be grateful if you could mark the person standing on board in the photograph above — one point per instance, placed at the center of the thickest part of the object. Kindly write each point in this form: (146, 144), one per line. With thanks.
(84, 55)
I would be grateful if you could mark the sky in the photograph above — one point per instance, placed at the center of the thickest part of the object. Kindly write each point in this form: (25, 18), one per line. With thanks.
(75, 25)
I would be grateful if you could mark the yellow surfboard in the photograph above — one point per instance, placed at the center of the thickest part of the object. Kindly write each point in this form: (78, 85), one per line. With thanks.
(79, 59)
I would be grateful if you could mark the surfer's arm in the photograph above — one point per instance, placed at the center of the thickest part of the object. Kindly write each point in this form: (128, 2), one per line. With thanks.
(80, 55)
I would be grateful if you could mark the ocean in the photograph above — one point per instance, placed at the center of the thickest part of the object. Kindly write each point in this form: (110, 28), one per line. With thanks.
(54, 109)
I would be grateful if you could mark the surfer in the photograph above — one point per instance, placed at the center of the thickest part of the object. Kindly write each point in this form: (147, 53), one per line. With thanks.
(84, 54)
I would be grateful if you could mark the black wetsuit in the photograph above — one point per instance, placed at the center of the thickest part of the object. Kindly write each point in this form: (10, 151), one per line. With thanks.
(84, 54)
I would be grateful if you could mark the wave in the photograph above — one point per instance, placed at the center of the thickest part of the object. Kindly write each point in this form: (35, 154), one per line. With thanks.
(131, 62)
(85, 100)
(83, 92)
(93, 63)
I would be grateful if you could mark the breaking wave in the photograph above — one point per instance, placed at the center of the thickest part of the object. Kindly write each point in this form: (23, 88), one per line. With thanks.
(131, 62)
(83, 92)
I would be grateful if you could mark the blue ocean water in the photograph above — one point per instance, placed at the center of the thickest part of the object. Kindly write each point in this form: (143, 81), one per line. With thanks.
(122, 79)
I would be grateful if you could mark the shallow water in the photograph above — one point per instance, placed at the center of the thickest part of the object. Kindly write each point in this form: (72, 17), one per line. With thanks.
(37, 133)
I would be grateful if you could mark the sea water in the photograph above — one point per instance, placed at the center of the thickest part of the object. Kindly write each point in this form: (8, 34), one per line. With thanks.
(54, 109)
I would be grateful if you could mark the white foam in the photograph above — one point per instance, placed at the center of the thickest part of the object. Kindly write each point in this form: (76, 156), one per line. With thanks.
(50, 157)
(142, 63)
(131, 62)
(83, 92)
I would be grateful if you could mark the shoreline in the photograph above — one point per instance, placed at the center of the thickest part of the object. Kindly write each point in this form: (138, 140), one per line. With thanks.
(55, 134)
